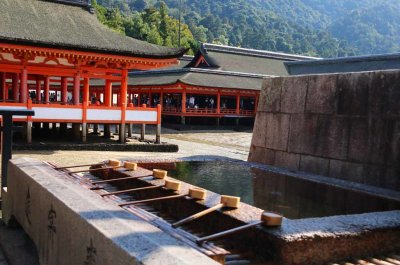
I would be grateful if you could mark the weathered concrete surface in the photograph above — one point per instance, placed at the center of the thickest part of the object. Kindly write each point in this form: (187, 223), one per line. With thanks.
(332, 238)
(72, 225)
(343, 126)
(321, 240)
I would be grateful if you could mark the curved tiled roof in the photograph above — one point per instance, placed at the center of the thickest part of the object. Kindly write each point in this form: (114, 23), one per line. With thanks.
(346, 64)
(236, 59)
(194, 77)
(49, 24)
(198, 77)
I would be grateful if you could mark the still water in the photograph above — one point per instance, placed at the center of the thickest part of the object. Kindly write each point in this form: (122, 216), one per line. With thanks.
(293, 197)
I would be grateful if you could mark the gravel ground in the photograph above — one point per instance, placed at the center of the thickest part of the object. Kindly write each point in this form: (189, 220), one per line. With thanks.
(192, 145)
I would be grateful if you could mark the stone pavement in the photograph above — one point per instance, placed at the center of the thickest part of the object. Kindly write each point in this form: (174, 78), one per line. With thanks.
(192, 145)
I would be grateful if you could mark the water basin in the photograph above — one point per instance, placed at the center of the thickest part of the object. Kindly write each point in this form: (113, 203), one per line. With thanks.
(293, 197)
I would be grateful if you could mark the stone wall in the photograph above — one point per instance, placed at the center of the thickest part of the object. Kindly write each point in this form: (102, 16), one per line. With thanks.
(343, 126)
(69, 224)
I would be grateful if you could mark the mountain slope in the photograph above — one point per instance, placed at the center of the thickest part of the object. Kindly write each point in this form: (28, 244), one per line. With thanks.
(326, 28)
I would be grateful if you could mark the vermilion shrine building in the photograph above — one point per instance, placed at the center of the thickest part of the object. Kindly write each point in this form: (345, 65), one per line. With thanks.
(219, 82)
(50, 51)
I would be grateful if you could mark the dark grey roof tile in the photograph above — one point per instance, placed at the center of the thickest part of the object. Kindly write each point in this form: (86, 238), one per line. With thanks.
(49, 24)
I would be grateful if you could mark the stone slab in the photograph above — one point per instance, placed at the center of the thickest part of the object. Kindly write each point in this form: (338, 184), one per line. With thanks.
(303, 132)
(315, 165)
(384, 94)
(321, 95)
(277, 131)
(353, 94)
(270, 95)
(287, 160)
(294, 91)
(332, 138)
(346, 170)
(358, 141)
(72, 225)
(259, 131)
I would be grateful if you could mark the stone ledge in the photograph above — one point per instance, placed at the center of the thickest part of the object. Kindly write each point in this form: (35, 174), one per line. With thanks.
(171, 148)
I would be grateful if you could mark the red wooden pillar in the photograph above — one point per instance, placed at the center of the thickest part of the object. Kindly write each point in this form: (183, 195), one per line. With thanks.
(15, 84)
(161, 99)
(86, 88)
(24, 86)
(139, 100)
(124, 86)
(38, 89)
(77, 86)
(108, 94)
(98, 94)
(238, 104)
(64, 90)
(256, 103)
(123, 94)
(184, 101)
(47, 89)
(150, 99)
(219, 102)
(3, 86)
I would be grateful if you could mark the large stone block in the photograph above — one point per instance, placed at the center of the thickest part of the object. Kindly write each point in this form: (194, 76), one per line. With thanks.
(353, 93)
(277, 131)
(346, 170)
(294, 91)
(379, 140)
(259, 131)
(255, 154)
(262, 155)
(315, 165)
(374, 175)
(332, 137)
(303, 132)
(270, 96)
(358, 143)
(287, 160)
(269, 158)
(384, 94)
(392, 178)
(394, 146)
(375, 140)
(321, 94)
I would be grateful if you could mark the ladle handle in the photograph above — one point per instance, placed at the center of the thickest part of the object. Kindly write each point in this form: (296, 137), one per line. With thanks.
(129, 190)
(227, 232)
(118, 179)
(153, 200)
(87, 165)
(198, 215)
(93, 169)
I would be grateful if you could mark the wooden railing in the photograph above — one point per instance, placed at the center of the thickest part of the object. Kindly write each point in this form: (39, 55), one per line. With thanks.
(206, 111)
(85, 113)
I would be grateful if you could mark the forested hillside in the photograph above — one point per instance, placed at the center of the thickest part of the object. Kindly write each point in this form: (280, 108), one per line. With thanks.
(326, 28)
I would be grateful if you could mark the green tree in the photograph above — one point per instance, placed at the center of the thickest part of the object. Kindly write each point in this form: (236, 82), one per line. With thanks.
(138, 5)
(154, 36)
(163, 22)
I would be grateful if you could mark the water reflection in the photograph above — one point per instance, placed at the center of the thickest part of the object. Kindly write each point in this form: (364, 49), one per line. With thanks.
(292, 197)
